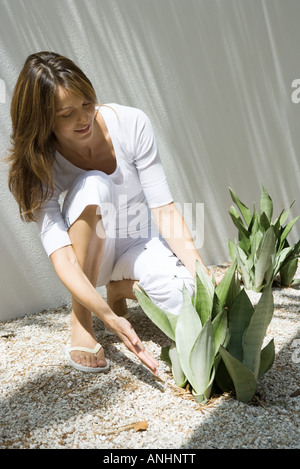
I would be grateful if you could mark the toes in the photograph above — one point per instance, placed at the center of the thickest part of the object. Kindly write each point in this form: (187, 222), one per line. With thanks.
(101, 362)
(100, 358)
(88, 359)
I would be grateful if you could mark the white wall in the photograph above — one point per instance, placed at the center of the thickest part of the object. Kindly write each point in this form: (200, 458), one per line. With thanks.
(213, 75)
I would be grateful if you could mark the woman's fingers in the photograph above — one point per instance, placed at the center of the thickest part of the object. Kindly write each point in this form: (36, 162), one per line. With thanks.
(127, 334)
(134, 344)
(146, 358)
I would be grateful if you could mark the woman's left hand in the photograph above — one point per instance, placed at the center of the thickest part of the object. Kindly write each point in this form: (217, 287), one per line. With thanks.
(126, 333)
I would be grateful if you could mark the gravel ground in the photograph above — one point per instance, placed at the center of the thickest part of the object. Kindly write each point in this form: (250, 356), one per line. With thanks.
(46, 404)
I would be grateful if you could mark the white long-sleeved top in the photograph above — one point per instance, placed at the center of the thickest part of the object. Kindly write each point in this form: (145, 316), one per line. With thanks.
(139, 177)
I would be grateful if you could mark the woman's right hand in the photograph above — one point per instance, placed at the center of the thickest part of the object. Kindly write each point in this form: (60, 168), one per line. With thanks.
(126, 333)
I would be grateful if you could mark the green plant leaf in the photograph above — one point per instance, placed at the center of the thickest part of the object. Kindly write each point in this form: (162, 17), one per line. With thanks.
(267, 356)
(264, 222)
(217, 307)
(238, 222)
(204, 293)
(255, 240)
(177, 371)
(229, 286)
(187, 330)
(266, 205)
(286, 231)
(164, 320)
(164, 355)
(282, 258)
(287, 272)
(246, 213)
(243, 266)
(279, 221)
(223, 378)
(220, 329)
(269, 276)
(284, 215)
(254, 225)
(232, 250)
(205, 279)
(239, 318)
(243, 379)
(203, 398)
(244, 241)
(202, 359)
(256, 330)
(264, 257)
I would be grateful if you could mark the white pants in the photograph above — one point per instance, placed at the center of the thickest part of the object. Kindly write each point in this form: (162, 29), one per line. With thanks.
(148, 260)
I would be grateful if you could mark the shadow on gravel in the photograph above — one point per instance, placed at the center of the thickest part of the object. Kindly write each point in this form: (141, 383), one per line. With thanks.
(59, 394)
(271, 419)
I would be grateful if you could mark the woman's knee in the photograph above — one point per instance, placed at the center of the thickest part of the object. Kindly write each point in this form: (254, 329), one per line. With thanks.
(103, 186)
(93, 196)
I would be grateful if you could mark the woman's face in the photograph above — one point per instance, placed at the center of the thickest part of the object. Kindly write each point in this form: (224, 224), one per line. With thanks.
(74, 118)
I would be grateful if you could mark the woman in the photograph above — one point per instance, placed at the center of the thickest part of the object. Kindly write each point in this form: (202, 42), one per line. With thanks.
(104, 160)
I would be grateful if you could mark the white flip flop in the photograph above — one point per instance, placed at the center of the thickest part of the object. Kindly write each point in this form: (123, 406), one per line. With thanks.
(86, 369)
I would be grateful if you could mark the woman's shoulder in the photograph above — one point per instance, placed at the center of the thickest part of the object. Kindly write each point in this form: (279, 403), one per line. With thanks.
(125, 114)
(130, 124)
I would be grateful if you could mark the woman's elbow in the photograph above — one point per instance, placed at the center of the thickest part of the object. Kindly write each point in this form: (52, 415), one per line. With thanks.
(63, 255)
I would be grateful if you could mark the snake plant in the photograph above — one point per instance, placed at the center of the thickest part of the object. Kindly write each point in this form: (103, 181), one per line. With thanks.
(198, 332)
(244, 359)
(262, 250)
(216, 340)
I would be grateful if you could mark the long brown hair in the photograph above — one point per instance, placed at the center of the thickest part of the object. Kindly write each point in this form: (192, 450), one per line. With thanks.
(33, 114)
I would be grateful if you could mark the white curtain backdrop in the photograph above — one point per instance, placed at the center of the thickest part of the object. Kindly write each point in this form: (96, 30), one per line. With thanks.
(214, 76)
